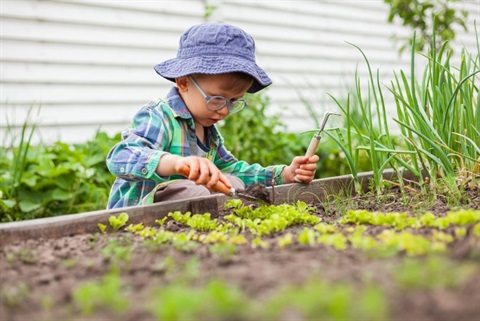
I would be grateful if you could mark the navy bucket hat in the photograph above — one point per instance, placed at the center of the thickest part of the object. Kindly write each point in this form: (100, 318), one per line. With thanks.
(215, 48)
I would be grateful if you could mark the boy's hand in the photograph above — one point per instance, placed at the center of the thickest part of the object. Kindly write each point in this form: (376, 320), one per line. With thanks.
(202, 171)
(302, 168)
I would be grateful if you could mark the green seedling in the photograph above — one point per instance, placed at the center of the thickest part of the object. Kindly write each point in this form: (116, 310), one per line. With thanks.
(432, 273)
(223, 250)
(285, 240)
(14, 296)
(118, 250)
(107, 293)
(257, 242)
(331, 301)
(307, 237)
(215, 300)
(102, 227)
(118, 222)
(162, 221)
(184, 243)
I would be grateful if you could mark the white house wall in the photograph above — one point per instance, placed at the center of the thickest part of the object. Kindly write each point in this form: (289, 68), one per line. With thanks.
(88, 65)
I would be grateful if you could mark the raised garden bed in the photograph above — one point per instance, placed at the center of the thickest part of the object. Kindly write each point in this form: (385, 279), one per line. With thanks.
(324, 260)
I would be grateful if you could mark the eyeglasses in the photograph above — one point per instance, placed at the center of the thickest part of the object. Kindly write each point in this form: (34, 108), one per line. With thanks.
(218, 102)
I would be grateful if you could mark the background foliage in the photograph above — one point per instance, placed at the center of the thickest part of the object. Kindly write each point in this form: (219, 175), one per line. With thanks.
(428, 18)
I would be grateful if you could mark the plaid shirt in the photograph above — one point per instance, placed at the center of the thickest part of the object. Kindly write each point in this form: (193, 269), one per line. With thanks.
(167, 127)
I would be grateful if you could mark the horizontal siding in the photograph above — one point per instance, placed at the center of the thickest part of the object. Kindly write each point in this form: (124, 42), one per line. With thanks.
(89, 64)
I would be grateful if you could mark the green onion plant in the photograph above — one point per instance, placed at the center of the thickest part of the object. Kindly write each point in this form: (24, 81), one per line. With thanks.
(439, 122)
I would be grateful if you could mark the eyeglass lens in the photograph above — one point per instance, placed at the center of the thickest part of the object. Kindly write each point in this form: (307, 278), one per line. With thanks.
(218, 102)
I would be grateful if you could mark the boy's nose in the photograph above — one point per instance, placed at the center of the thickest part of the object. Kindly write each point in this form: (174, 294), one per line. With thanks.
(223, 111)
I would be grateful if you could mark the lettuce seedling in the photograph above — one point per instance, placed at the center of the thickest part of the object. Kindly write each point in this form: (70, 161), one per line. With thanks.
(117, 222)
(285, 240)
(307, 237)
(102, 227)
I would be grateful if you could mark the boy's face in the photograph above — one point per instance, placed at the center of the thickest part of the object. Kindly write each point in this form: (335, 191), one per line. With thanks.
(225, 85)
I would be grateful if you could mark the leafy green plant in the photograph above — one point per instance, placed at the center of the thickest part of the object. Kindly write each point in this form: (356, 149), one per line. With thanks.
(428, 18)
(117, 222)
(49, 180)
(199, 222)
(265, 220)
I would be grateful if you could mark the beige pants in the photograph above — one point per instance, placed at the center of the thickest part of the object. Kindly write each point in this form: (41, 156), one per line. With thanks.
(185, 188)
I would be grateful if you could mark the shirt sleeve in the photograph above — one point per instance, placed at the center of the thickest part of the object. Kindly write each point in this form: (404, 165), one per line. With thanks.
(248, 173)
(137, 156)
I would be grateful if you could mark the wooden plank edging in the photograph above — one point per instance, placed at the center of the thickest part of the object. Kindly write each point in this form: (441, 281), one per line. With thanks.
(81, 223)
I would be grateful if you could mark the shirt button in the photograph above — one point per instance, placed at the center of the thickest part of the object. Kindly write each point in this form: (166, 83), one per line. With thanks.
(122, 169)
(144, 171)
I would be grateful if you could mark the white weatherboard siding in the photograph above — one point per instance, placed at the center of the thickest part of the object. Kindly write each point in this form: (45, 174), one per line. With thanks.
(89, 64)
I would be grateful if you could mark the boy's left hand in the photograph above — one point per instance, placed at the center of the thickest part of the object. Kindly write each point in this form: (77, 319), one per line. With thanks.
(302, 168)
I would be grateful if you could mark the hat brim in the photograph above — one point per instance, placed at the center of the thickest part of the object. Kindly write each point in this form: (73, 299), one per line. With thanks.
(214, 65)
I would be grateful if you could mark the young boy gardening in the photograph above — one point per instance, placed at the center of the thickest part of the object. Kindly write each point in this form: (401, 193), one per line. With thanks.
(176, 138)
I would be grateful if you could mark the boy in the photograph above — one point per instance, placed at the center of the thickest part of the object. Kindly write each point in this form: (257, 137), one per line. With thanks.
(215, 66)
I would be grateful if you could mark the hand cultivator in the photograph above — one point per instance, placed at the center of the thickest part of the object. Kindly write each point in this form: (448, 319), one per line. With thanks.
(260, 191)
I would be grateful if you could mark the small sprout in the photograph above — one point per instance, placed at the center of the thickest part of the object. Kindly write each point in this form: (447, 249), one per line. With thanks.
(134, 228)
(307, 237)
(233, 203)
(238, 239)
(476, 230)
(117, 222)
(26, 256)
(460, 232)
(68, 263)
(285, 240)
(224, 250)
(161, 222)
(324, 228)
(102, 227)
(258, 242)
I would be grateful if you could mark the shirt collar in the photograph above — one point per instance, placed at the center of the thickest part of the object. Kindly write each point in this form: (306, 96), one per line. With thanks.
(176, 103)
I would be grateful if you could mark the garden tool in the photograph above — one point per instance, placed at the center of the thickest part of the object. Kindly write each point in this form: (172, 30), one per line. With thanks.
(222, 188)
(316, 138)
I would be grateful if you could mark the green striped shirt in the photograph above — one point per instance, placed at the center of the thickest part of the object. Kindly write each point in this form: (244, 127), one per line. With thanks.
(166, 127)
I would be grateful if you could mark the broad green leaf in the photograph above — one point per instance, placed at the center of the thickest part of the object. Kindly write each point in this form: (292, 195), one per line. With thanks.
(28, 206)
(9, 203)
(61, 195)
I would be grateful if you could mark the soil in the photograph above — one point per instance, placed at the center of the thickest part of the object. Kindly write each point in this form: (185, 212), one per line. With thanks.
(256, 192)
(39, 276)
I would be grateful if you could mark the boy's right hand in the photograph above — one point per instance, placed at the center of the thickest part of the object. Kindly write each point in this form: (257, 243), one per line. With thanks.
(202, 171)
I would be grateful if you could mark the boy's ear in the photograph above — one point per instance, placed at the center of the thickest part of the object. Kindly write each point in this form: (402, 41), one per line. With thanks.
(182, 83)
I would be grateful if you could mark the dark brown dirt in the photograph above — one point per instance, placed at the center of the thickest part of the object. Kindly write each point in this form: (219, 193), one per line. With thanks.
(39, 276)
(256, 192)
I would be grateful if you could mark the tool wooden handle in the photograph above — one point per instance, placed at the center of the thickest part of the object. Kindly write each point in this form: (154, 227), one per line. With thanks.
(312, 148)
(219, 187)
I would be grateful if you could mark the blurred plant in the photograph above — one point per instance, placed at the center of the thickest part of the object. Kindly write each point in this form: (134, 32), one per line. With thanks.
(106, 293)
(42, 181)
(427, 18)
